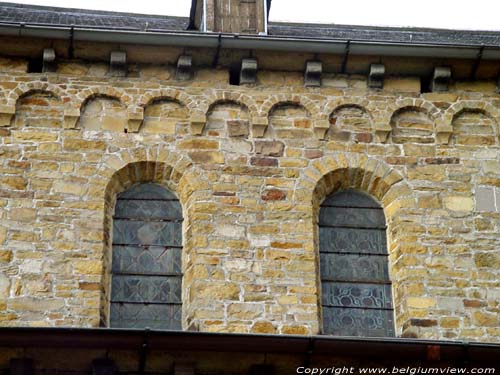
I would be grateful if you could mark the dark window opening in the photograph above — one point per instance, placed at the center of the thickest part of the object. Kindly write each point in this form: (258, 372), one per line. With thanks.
(234, 74)
(35, 66)
(356, 289)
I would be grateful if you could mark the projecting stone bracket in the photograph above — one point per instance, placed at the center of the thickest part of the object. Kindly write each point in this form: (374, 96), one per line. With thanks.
(321, 128)
(134, 122)
(443, 134)
(382, 134)
(7, 112)
(71, 117)
(312, 74)
(259, 126)
(248, 72)
(49, 60)
(376, 76)
(197, 123)
(441, 79)
(118, 64)
(184, 71)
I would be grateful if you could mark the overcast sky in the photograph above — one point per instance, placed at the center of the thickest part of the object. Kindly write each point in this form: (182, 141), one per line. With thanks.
(455, 14)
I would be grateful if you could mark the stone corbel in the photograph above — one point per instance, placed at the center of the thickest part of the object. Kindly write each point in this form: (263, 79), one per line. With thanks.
(49, 60)
(7, 112)
(184, 71)
(441, 79)
(259, 126)
(382, 133)
(376, 76)
(248, 72)
(71, 116)
(312, 74)
(443, 134)
(134, 121)
(197, 123)
(321, 128)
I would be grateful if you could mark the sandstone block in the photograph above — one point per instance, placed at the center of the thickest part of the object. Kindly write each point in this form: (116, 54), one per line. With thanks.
(211, 157)
(457, 203)
(35, 304)
(87, 267)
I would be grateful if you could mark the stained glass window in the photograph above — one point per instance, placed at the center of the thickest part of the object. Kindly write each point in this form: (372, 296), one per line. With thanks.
(146, 273)
(356, 289)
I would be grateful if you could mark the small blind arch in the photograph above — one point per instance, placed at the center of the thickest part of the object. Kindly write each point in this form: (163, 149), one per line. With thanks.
(356, 289)
(146, 273)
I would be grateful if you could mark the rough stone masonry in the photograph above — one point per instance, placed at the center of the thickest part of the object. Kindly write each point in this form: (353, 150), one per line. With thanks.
(250, 165)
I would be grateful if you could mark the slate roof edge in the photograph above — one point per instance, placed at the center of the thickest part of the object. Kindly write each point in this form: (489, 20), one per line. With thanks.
(89, 11)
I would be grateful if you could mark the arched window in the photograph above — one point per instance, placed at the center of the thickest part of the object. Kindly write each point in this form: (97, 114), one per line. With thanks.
(356, 290)
(146, 273)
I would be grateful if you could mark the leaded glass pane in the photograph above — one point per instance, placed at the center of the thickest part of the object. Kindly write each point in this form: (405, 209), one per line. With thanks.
(356, 290)
(350, 198)
(358, 322)
(146, 260)
(148, 209)
(129, 315)
(146, 289)
(147, 191)
(338, 294)
(160, 233)
(146, 264)
(352, 217)
(353, 267)
(352, 240)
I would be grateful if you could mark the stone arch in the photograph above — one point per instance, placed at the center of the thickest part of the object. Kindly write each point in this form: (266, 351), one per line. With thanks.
(423, 105)
(103, 112)
(351, 118)
(24, 89)
(476, 105)
(89, 93)
(39, 108)
(412, 124)
(359, 102)
(289, 119)
(167, 94)
(130, 167)
(230, 96)
(384, 183)
(474, 126)
(164, 114)
(228, 118)
(275, 100)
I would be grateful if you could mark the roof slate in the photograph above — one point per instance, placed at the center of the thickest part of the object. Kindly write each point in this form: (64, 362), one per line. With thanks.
(386, 34)
(44, 15)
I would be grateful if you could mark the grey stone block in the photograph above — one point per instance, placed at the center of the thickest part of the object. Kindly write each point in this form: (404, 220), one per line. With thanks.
(49, 60)
(376, 76)
(118, 64)
(485, 199)
(248, 72)
(312, 74)
(441, 79)
(184, 70)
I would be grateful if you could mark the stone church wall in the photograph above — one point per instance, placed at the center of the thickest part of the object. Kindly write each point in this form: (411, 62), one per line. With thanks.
(250, 165)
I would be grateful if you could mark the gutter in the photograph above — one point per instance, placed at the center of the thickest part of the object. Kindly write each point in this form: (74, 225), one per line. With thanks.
(135, 339)
(254, 42)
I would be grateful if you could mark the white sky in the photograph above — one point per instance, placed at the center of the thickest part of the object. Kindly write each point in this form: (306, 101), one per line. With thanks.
(453, 14)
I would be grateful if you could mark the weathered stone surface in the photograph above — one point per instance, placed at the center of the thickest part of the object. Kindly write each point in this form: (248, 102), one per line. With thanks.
(249, 204)
(456, 203)
(273, 195)
(491, 260)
